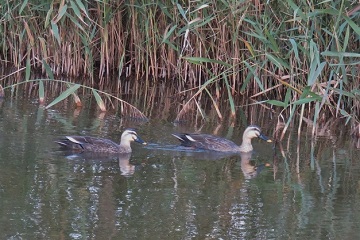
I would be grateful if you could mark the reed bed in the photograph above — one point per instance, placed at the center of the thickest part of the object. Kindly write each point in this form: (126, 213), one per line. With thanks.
(300, 58)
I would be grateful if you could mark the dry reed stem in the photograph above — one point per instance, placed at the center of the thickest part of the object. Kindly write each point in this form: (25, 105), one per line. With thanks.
(255, 39)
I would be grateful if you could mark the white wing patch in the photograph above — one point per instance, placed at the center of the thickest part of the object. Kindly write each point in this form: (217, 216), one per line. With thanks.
(190, 138)
(61, 143)
(73, 140)
(178, 137)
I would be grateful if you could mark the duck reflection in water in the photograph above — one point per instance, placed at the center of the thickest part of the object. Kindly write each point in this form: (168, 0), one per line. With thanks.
(249, 170)
(126, 168)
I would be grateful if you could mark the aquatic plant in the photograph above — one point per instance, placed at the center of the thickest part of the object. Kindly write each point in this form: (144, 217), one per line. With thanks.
(299, 57)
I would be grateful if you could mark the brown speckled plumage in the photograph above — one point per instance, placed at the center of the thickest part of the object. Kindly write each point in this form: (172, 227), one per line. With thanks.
(94, 144)
(214, 143)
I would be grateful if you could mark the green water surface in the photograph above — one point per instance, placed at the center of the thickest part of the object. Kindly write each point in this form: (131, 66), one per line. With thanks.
(307, 190)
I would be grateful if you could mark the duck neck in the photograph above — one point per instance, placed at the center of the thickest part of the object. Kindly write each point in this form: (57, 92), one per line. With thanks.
(246, 145)
(125, 146)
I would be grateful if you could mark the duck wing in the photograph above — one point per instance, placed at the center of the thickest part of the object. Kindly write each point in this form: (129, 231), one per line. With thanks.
(86, 143)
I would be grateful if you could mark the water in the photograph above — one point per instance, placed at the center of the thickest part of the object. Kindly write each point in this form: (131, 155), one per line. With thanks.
(298, 190)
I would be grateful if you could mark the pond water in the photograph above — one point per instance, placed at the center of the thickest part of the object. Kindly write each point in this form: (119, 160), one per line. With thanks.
(298, 190)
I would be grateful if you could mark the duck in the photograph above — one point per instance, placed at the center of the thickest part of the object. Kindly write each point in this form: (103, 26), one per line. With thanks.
(101, 145)
(218, 144)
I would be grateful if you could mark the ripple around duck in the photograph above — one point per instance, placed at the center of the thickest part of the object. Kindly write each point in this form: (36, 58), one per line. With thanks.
(181, 151)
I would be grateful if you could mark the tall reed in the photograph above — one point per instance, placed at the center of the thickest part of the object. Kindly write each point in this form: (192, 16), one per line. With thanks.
(300, 56)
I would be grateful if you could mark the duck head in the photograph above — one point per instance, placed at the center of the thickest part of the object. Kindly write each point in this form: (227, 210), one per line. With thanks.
(130, 135)
(254, 131)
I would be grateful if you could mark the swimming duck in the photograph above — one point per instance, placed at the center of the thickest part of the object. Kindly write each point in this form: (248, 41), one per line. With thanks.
(214, 143)
(94, 144)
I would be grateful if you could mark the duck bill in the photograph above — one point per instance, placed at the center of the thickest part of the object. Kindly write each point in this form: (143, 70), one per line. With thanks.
(139, 140)
(265, 138)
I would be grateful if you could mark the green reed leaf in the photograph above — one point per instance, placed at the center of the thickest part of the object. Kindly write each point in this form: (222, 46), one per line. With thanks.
(346, 93)
(346, 114)
(252, 70)
(276, 103)
(99, 100)
(48, 70)
(353, 25)
(200, 7)
(306, 100)
(308, 93)
(41, 91)
(277, 61)
(246, 81)
(305, 92)
(55, 31)
(315, 71)
(165, 9)
(297, 10)
(82, 7)
(75, 9)
(295, 49)
(346, 39)
(28, 69)
(274, 46)
(48, 15)
(199, 60)
(61, 12)
(75, 21)
(287, 96)
(230, 97)
(167, 33)
(340, 54)
(64, 95)
(23, 5)
(181, 11)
